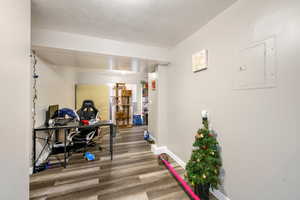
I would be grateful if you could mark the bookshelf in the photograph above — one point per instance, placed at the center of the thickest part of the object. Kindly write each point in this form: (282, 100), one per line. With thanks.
(123, 106)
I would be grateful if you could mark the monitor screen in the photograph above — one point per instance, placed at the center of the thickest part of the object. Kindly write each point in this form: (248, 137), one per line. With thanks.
(52, 109)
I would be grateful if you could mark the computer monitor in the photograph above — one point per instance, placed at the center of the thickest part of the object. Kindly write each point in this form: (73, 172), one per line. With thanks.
(50, 112)
(52, 109)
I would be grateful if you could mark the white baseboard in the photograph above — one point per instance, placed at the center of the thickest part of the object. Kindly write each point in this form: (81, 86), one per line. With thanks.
(219, 195)
(180, 162)
(159, 150)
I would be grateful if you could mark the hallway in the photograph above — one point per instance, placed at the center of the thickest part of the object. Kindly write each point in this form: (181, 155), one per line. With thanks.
(134, 174)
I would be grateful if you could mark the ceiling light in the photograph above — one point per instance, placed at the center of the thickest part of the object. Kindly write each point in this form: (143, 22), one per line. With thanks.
(123, 72)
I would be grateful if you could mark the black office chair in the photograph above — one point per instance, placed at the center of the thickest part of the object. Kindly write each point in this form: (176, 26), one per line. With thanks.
(87, 110)
(82, 138)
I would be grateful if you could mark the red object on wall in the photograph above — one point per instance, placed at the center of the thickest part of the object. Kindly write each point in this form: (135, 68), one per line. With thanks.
(153, 84)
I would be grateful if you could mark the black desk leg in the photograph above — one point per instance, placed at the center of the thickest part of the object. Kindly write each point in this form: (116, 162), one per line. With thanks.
(65, 148)
(33, 152)
(111, 132)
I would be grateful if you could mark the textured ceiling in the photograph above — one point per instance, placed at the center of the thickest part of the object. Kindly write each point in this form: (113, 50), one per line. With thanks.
(152, 22)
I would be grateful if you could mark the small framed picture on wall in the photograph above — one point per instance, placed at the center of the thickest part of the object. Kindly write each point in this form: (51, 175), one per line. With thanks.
(153, 85)
(200, 60)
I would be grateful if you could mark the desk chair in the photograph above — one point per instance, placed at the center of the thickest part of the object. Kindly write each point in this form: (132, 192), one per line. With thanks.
(82, 138)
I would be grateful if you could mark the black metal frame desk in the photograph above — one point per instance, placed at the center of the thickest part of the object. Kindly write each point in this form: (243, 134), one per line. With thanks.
(66, 129)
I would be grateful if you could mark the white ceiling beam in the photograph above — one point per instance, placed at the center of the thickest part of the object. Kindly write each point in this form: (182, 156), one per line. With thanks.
(62, 40)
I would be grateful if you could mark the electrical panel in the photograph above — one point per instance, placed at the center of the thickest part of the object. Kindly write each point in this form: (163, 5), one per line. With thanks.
(256, 67)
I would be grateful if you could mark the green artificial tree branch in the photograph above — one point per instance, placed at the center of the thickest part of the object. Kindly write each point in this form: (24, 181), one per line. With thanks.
(205, 163)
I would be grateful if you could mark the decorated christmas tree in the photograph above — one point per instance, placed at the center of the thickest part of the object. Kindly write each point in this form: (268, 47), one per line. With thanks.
(203, 169)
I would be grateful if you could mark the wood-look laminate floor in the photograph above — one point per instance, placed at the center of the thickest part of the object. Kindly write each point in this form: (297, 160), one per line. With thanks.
(134, 174)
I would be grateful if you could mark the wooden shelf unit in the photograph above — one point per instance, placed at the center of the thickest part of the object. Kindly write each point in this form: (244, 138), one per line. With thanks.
(123, 105)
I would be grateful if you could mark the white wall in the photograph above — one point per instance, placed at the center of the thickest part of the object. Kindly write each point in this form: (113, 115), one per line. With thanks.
(157, 117)
(15, 118)
(162, 104)
(55, 85)
(259, 128)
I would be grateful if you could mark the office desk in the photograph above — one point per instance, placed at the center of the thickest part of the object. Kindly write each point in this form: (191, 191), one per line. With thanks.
(66, 129)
